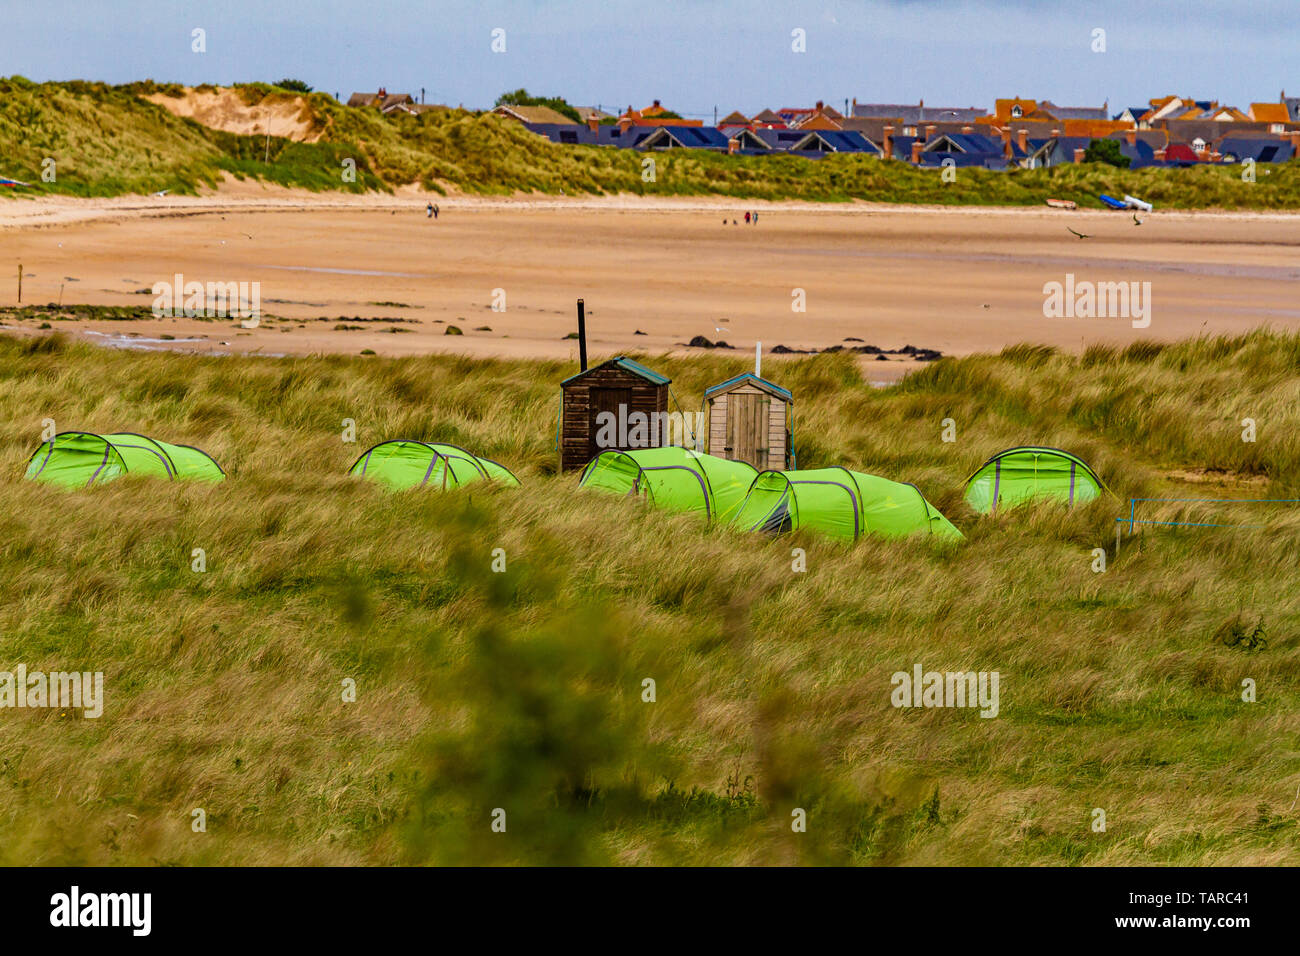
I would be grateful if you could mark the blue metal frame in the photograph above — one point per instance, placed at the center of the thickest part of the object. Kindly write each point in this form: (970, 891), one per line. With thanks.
(1133, 520)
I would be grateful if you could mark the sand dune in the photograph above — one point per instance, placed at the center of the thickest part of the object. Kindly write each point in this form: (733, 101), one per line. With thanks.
(224, 109)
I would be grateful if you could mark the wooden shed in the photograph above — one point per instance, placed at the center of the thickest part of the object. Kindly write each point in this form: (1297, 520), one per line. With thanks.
(751, 419)
(621, 387)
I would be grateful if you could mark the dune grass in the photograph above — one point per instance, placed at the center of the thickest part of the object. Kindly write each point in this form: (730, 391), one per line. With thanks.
(523, 690)
(109, 140)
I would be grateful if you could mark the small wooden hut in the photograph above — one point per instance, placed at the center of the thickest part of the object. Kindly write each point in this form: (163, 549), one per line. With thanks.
(751, 419)
(621, 387)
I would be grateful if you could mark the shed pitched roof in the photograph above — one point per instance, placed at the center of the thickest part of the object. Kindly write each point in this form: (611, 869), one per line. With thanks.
(627, 365)
(752, 379)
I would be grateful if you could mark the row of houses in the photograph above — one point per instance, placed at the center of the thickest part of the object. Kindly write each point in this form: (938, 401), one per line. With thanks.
(1019, 132)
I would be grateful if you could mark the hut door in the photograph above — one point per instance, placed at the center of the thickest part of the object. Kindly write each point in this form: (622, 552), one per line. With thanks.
(616, 401)
(746, 428)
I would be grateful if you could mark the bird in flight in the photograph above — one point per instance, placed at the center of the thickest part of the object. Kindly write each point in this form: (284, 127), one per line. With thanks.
(1081, 235)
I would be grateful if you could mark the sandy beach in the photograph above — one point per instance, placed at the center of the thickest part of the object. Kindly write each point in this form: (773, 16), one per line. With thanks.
(654, 273)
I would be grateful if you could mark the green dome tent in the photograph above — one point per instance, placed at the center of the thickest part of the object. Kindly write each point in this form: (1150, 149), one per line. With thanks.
(405, 463)
(841, 503)
(80, 459)
(674, 478)
(1017, 475)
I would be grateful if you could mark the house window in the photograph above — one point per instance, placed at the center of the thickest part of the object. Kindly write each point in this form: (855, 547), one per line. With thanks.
(568, 136)
(1017, 112)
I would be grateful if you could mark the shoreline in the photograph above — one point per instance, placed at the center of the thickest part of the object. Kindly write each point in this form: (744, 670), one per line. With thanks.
(234, 196)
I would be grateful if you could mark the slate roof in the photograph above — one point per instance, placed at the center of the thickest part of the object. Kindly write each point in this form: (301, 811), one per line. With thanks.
(839, 141)
(615, 135)
(1235, 149)
(912, 115)
(579, 134)
(872, 129)
(1139, 153)
(782, 139)
(903, 146)
(965, 143)
(1184, 131)
(690, 137)
(1064, 146)
(1155, 138)
(937, 158)
(571, 134)
(1074, 112)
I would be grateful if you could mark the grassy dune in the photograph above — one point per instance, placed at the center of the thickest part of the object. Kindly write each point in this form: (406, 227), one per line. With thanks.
(108, 141)
(522, 690)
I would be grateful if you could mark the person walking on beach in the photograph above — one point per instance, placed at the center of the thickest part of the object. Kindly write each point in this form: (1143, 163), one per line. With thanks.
(428, 213)
(747, 219)
(435, 212)
(756, 217)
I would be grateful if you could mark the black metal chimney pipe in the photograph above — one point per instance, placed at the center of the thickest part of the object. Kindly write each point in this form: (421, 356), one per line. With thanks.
(582, 335)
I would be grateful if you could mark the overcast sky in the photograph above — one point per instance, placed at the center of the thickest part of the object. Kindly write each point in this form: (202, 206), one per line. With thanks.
(694, 55)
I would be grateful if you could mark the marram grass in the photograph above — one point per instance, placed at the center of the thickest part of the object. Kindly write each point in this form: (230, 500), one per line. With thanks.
(109, 140)
(523, 690)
